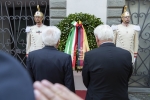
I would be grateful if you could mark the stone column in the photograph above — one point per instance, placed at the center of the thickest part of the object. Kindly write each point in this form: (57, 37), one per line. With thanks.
(114, 10)
(57, 11)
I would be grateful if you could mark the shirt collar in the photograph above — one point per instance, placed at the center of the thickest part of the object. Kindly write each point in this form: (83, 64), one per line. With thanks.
(125, 25)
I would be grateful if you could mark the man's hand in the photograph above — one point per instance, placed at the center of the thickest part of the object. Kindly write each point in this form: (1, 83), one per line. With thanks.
(135, 55)
(26, 55)
(45, 90)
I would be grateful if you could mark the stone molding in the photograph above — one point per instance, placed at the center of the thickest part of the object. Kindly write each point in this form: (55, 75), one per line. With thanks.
(57, 11)
(114, 10)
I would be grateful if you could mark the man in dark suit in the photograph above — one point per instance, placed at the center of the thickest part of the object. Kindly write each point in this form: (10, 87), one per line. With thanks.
(49, 63)
(15, 83)
(106, 69)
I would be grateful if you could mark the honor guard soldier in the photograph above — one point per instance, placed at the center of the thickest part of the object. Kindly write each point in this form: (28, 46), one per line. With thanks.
(126, 35)
(34, 40)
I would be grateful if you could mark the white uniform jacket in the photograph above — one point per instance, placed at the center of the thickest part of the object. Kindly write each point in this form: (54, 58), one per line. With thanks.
(34, 38)
(126, 37)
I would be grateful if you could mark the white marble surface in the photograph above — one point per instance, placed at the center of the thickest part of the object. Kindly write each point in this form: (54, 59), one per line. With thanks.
(95, 7)
(78, 81)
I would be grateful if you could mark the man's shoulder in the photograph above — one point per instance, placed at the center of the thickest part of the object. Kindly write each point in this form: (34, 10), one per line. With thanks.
(29, 28)
(115, 27)
(57, 53)
(34, 52)
(122, 50)
(91, 52)
(60, 53)
(63, 53)
(136, 27)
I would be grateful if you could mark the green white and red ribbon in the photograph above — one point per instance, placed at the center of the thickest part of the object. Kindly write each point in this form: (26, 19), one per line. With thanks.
(77, 44)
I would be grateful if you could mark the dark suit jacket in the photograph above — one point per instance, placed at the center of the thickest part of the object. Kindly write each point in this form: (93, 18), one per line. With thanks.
(106, 73)
(51, 64)
(15, 83)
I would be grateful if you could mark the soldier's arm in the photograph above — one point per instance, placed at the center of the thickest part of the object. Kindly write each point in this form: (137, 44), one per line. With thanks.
(115, 37)
(136, 40)
(28, 40)
(114, 28)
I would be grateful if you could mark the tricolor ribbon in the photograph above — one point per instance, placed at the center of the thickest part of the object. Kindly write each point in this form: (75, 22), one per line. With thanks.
(77, 44)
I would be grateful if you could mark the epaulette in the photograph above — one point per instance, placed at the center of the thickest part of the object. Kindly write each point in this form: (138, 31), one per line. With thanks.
(114, 27)
(28, 29)
(137, 28)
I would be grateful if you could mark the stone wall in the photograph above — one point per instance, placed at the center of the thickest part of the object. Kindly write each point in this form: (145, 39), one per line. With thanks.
(57, 11)
(114, 11)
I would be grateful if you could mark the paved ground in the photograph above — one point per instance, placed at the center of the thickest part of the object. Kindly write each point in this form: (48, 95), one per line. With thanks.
(132, 95)
(139, 96)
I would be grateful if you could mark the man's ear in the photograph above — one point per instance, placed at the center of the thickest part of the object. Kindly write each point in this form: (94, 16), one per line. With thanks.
(97, 40)
(57, 44)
